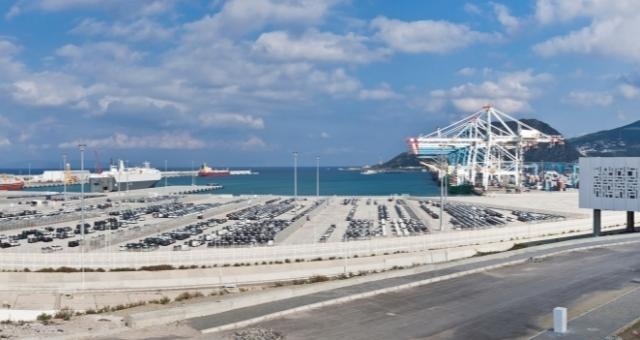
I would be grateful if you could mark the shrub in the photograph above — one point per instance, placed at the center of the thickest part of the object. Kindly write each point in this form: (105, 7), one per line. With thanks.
(64, 314)
(187, 296)
(122, 269)
(44, 318)
(158, 267)
(318, 278)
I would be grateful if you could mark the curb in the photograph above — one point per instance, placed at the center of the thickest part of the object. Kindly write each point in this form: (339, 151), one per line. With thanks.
(349, 298)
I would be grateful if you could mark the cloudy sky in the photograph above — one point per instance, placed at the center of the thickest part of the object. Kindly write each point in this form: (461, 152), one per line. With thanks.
(246, 82)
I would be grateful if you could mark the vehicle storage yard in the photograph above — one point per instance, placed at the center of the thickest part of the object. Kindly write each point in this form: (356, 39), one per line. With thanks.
(172, 219)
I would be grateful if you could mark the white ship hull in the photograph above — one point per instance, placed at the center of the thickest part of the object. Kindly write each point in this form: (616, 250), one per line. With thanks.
(121, 179)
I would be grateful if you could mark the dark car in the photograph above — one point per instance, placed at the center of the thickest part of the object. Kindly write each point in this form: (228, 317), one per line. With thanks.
(73, 243)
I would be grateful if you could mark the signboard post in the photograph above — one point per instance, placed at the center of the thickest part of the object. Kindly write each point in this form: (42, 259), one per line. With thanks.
(610, 183)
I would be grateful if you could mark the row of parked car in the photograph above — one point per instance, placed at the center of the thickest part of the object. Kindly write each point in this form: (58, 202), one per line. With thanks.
(249, 233)
(190, 234)
(263, 211)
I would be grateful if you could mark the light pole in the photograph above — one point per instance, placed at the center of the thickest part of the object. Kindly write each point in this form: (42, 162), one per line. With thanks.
(317, 176)
(295, 175)
(64, 176)
(193, 175)
(165, 172)
(442, 191)
(82, 179)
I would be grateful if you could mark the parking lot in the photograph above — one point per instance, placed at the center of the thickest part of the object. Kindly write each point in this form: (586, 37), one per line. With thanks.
(166, 219)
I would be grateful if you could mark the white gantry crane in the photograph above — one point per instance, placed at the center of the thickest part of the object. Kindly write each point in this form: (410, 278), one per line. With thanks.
(484, 149)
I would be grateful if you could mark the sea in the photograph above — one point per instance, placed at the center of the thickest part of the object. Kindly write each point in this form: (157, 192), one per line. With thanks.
(279, 181)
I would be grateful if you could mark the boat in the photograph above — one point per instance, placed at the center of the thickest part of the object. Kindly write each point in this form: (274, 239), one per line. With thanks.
(370, 172)
(121, 178)
(206, 171)
(11, 182)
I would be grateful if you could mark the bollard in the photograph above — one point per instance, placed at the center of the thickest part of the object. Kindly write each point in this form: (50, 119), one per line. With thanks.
(560, 320)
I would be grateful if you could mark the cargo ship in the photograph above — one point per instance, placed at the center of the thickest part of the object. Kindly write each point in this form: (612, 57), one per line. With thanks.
(206, 171)
(11, 182)
(121, 178)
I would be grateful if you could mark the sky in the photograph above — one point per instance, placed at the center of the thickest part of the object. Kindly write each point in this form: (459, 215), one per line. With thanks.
(248, 82)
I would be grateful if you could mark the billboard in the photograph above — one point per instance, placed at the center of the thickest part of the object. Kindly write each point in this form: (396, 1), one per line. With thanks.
(610, 183)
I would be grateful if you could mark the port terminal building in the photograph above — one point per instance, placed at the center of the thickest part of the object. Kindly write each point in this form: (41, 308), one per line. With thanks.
(610, 183)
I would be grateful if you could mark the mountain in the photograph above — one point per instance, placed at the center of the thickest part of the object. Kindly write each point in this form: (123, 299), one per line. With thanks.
(402, 160)
(544, 152)
(622, 141)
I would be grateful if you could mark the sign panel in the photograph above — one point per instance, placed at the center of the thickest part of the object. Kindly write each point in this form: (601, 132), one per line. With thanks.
(610, 183)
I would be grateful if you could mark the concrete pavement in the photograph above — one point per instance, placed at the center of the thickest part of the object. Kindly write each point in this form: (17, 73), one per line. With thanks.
(221, 319)
(507, 303)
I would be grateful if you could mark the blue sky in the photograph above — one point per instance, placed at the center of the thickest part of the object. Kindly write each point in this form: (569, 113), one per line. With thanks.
(247, 82)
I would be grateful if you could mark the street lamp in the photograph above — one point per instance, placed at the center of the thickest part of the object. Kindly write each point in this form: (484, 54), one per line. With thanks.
(64, 176)
(317, 176)
(82, 179)
(193, 175)
(295, 175)
(165, 172)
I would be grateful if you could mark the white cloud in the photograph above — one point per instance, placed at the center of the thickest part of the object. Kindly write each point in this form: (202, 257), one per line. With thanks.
(142, 29)
(611, 32)
(48, 89)
(238, 17)
(510, 92)
(553, 11)
(467, 71)
(325, 135)
(10, 68)
(336, 83)
(587, 98)
(252, 144)
(629, 91)
(317, 46)
(382, 92)
(122, 7)
(230, 120)
(427, 36)
(100, 51)
(4, 142)
(472, 9)
(176, 141)
(138, 102)
(505, 18)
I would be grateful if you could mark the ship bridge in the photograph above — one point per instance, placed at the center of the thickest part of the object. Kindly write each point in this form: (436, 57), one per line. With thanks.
(484, 147)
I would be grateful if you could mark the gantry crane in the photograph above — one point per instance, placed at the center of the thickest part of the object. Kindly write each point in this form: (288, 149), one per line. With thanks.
(482, 149)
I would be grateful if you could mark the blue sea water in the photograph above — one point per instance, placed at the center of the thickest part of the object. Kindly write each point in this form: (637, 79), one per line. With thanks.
(279, 181)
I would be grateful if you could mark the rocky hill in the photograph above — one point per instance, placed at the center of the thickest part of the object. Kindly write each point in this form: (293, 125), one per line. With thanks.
(618, 142)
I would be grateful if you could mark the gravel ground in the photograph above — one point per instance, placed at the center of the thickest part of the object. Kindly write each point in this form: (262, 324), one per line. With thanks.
(57, 328)
(257, 334)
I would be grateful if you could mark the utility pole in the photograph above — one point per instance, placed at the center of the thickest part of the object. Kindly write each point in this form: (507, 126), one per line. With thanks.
(317, 176)
(295, 175)
(64, 176)
(82, 179)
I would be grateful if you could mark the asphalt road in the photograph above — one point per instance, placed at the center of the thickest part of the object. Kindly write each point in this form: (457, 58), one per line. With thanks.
(507, 303)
